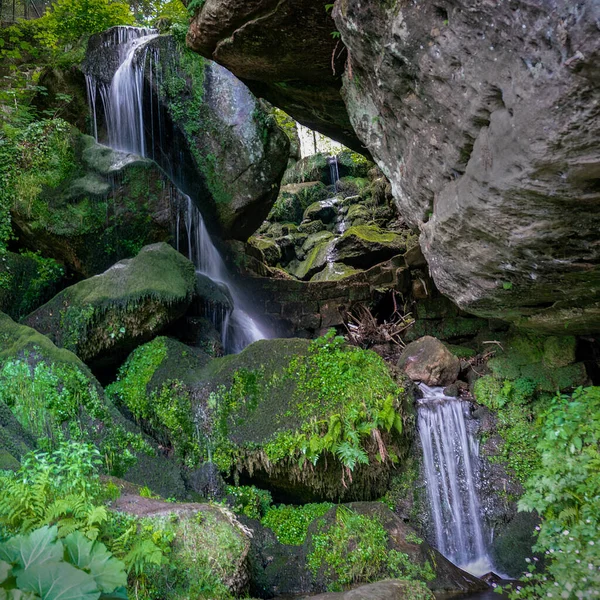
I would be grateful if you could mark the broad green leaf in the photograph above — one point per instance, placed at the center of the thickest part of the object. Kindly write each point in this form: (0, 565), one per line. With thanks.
(17, 595)
(36, 548)
(58, 581)
(5, 570)
(108, 572)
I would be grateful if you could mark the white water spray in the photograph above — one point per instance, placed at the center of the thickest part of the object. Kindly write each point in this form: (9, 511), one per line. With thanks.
(450, 458)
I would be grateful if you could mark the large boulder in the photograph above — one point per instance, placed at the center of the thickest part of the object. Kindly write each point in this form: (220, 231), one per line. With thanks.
(230, 152)
(496, 103)
(306, 448)
(102, 207)
(208, 546)
(103, 318)
(285, 52)
(427, 360)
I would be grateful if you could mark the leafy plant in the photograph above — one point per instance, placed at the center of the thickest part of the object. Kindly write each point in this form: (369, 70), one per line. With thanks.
(59, 488)
(355, 549)
(290, 523)
(565, 491)
(249, 500)
(42, 566)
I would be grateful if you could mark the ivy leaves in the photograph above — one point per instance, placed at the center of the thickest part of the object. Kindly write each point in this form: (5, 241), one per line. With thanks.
(42, 566)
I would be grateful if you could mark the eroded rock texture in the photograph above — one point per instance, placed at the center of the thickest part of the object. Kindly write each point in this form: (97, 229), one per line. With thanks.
(485, 117)
(284, 51)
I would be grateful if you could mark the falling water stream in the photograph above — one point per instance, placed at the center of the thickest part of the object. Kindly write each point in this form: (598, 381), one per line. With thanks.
(123, 107)
(451, 461)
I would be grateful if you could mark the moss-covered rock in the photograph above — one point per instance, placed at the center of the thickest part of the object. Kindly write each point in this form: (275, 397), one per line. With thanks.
(47, 394)
(548, 362)
(366, 245)
(311, 168)
(323, 210)
(268, 250)
(311, 393)
(91, 206)
(391, 549)
(208, 548)
(451, 328)
(27, 280)
(334, 272)
(294, 199)
(106, 316)
(315, 259)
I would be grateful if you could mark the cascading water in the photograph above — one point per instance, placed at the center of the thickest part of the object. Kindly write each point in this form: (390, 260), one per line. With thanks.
(334, 171)
(238, 328)
(123, 105)
(450, 459)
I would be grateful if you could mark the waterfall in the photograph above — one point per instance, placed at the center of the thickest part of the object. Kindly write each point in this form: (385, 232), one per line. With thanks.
(237, 328)
(334, 171)
(450, 458)
(123, 105)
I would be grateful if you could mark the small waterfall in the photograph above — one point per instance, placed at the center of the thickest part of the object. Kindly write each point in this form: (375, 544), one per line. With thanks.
(450, 458)
(237, 328)
(334, 171)
(123, 105)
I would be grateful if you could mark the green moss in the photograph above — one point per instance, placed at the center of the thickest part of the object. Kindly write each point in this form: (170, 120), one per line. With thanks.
(355, 549)
(97, 313)
(334, 272)
(148, 385)
(314, 261)
(8, 461)
(294, 199)
(372, 233)
(290, 523)
(545, 361)
(453, 328)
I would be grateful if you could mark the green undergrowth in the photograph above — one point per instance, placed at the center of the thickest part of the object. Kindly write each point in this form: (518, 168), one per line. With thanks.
(55, 402)
(355, 549)
(27, 281)
(37, 156)
(565, 490)
(517, 406)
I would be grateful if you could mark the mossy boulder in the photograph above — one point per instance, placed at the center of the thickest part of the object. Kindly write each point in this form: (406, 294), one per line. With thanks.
(27, 280)
(308, 390)
(547, 361)
(92, 206)
(310, 168)
(335, 272)
(315, 259)
(294, 199)
(323, 210)
(47, 393)
(268, 251)
(106, 316)
(208, 547)
(365, 245)
(401, 553)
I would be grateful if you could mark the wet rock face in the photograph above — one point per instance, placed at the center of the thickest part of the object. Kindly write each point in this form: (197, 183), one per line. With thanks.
(230, 152)
(283, 51)
(483, 116)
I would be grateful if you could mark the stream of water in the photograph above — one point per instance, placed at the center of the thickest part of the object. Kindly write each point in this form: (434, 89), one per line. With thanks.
(451, 462)
(122, 103)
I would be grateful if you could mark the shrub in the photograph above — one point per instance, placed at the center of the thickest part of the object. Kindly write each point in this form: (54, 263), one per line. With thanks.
(565, 491)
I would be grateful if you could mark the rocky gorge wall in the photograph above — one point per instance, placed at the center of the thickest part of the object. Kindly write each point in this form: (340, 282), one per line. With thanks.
(483, 117)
